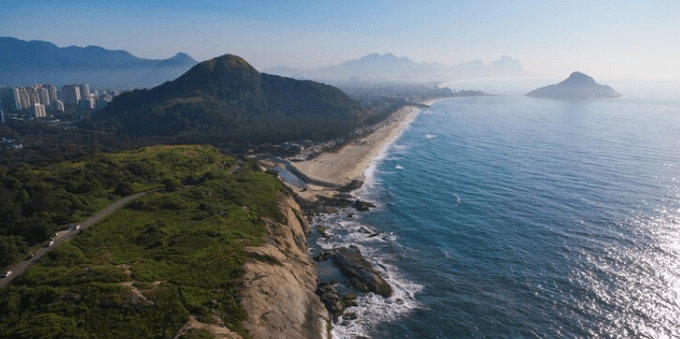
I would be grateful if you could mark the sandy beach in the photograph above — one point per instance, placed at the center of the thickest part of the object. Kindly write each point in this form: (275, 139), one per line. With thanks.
(352, 161)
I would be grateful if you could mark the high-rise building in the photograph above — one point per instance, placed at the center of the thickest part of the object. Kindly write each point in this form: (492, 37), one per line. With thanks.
(33, 95)
(70, 94)
(53, 92)
(11, 99)
(44, 96)
(26, 102)
(84, 91)
(58, 105)
(86, 103)
(38, 111)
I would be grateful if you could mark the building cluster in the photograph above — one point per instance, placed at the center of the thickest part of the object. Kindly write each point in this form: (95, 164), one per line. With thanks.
(36, 101)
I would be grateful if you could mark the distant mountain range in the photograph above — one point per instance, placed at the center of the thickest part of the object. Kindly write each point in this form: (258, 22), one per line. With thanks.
(225, 99)
(389, 68)
(28, 62)
(578, 86)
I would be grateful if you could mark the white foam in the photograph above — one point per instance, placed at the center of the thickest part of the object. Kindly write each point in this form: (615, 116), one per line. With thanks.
(458, 200)
(372, 309)
(389, 147)
(430, 136)
(399, 167)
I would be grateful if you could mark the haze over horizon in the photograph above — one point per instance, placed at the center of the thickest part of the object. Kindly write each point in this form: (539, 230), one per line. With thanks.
(630, 40)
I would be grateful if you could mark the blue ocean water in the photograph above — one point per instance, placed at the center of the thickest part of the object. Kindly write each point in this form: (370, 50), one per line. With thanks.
(515, 217)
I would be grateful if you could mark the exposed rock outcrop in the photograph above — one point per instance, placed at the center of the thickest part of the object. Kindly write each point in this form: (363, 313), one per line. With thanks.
(360, 272)
(280, 299)
(577, 87)
(362, 206)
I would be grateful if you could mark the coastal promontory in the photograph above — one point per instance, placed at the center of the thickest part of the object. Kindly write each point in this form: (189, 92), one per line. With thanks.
(226, 99)
(578, 86)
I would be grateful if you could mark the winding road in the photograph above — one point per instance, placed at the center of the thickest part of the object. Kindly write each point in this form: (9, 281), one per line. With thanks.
(19, 268)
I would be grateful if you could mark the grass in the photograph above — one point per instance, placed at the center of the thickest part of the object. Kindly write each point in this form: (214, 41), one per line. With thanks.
(143, 270)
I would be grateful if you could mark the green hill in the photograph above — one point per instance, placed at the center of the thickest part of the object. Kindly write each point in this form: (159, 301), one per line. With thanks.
(226, 99)
(142, 271)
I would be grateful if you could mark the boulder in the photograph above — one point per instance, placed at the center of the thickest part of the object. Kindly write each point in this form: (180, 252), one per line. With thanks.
(360, 272)
(362, 205)
(331, 299)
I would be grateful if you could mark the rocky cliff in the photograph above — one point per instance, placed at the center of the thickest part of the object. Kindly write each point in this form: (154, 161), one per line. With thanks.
(279, 291)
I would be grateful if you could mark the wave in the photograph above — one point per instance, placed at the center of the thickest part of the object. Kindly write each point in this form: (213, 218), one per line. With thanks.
(389, 147)
(371, 309)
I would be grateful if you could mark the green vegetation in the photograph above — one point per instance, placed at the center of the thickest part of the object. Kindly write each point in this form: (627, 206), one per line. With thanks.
(143, 270)
(226, 99)
(37, 201)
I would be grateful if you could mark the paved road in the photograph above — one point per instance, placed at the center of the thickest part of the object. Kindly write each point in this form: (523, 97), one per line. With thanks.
(19, 268)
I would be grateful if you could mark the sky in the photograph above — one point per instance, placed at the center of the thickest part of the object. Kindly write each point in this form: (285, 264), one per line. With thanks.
(615, 40)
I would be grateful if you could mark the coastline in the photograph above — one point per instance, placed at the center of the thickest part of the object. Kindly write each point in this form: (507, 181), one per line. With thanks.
(339, 172)
(353, 161)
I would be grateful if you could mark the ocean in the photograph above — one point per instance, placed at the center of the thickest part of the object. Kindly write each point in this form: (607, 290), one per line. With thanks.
(516, 217)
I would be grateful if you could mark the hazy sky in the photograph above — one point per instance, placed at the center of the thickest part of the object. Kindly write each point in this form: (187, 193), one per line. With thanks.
(606, 39)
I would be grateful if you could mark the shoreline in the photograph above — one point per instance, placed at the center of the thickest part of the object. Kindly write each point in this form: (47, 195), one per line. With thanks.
(339, 172)
(353, 160)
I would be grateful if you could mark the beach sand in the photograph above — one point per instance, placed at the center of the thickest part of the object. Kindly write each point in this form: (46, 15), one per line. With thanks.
(352, 160)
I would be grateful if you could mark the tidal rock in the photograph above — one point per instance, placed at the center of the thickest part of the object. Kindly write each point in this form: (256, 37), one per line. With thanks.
(323, 256)
(362, 205)
(349, 316)
(360, 273)
(355, 184)
(331, 299)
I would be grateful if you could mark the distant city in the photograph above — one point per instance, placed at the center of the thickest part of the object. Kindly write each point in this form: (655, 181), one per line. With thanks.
(44, 101)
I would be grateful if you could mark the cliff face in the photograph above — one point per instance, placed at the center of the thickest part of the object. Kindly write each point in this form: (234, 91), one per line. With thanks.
(278, 289)
(279, 294)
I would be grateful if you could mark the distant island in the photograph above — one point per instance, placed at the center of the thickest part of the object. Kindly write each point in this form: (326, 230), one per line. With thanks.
(578, 86)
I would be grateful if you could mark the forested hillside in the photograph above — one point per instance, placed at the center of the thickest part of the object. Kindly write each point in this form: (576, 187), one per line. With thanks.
(226, 99)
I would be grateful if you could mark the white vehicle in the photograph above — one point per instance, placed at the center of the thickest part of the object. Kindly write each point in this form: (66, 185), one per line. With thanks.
(7, 274)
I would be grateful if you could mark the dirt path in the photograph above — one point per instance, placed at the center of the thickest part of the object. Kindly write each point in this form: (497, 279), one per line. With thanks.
(19, 268)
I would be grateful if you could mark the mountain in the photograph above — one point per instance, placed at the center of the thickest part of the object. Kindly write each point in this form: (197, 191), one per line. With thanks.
(578, 86)
(28, 62)
(390, 68)
(226, 99)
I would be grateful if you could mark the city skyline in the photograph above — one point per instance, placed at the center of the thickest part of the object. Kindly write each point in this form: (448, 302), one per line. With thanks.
(610, 40)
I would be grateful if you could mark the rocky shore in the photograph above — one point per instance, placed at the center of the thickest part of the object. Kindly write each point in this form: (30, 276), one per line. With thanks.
(279, 292)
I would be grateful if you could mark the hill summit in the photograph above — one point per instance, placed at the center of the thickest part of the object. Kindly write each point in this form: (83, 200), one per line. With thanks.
(577, 86)
(226, 99)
